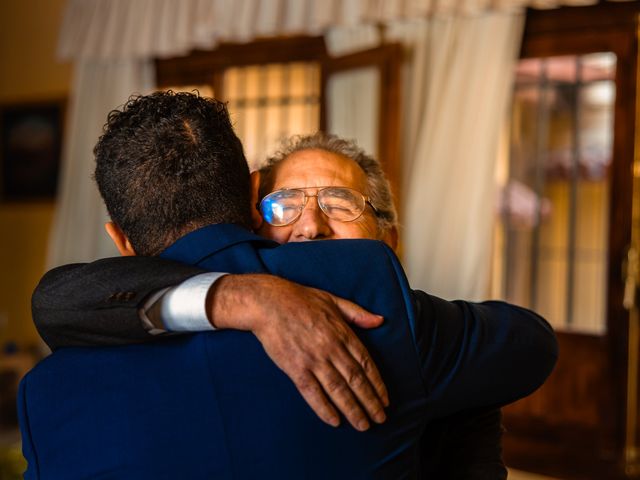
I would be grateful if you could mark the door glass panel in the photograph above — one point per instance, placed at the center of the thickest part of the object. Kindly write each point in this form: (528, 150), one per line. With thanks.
(554, 228)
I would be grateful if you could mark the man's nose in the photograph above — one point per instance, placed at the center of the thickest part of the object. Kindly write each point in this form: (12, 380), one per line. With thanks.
(313, 223)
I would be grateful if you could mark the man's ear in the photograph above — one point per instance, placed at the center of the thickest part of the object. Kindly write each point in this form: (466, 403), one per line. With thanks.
(390, 237)
(120, 240)
(256, 218)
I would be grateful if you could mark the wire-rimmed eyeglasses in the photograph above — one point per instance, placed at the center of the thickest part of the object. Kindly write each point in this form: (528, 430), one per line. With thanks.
(285, 206)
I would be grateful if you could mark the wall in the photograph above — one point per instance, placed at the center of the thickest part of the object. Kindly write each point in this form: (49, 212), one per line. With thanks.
(30, 72)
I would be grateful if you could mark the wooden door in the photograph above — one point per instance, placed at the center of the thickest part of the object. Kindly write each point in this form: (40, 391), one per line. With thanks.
(575, 426)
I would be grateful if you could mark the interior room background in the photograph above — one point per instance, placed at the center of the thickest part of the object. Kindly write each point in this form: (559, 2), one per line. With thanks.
(506, 147)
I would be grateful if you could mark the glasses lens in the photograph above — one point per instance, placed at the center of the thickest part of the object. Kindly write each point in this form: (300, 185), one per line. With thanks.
(282, 207)
(341, 203)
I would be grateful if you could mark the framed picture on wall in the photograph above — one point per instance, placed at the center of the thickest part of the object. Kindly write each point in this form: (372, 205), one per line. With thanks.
(30, 148)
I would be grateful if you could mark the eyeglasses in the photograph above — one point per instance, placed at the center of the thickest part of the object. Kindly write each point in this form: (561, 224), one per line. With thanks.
(284, 207)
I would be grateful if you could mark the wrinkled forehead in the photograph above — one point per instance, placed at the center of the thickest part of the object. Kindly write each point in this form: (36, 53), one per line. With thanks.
(318, 168)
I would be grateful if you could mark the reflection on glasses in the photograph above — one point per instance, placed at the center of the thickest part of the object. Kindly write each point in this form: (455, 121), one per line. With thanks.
(284, 207)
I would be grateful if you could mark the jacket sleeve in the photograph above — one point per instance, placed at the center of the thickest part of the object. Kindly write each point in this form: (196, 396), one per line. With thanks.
(97, 303)
(480, 354)
(28, 448)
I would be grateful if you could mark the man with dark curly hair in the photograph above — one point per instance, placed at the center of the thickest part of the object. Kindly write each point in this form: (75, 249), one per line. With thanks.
(168, 164)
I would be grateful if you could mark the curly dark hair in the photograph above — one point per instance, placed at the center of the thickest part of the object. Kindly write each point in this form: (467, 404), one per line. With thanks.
(169, 163)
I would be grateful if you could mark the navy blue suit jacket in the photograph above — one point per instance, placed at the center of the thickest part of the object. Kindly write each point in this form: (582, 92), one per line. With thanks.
(213, 405)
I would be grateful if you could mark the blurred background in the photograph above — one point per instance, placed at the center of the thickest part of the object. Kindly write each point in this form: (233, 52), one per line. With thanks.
(507, 129)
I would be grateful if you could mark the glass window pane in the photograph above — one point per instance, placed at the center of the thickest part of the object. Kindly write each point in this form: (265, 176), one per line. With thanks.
(252, 87)
(554, 230)
(298, 86)
(562, 69)
(275, 87)
(358, 116)
(231, 84)
(271, 102)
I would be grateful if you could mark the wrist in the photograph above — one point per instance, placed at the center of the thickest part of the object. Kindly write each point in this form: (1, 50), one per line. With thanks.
(233, 302)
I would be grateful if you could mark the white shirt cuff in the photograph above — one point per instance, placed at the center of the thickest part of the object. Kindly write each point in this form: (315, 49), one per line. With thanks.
(183, 307)
(145, 311)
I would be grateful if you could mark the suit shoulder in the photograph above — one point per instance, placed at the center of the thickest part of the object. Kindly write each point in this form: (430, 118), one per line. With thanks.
(335, 257)
(355, 249)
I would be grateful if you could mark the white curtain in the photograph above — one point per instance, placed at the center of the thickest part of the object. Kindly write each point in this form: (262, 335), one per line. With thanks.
(457, 88)
(99, 87)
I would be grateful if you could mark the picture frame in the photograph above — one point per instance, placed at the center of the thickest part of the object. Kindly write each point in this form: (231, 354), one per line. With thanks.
(30, 149)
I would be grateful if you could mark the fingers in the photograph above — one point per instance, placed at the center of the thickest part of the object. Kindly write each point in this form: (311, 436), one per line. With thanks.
(357, 315)
(341, 379)
(314, 395)
(342, 396)
(324, 358)
(367, 386)
(369, 370)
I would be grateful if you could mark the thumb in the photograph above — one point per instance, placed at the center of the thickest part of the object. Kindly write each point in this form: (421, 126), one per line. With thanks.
(357, 315)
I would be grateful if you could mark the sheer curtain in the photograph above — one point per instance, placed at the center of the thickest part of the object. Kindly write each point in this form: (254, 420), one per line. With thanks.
(99, 87)
(456, 92)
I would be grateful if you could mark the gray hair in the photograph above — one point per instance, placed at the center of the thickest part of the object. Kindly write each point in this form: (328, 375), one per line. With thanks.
(378, 185)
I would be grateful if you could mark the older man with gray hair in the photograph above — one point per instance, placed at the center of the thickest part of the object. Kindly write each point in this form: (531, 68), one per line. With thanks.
(468, 445)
